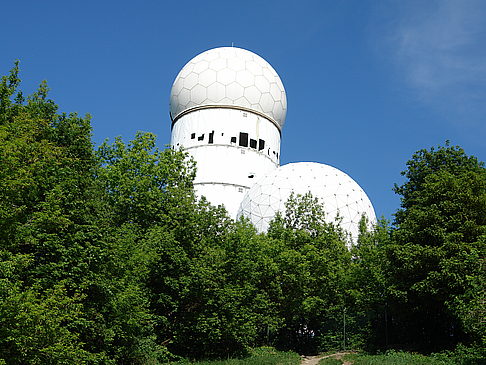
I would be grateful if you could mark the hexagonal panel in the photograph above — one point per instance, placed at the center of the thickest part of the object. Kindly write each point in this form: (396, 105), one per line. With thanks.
(184, 97)
(252, 94)
(176, 89)
(275, 91)
(243, 102)
(226, 76)
(185, 71)
(216, 92)
(174, 99)
(236, 64)
(226, 101)
(218, 64)
(269, 74)
(207, 77)
(200, 66)
(198, 94)
(234, 91)
(254, 67)
(262, 84)
(245, 78)
(190, 81)
(266, 101)
(278, 110)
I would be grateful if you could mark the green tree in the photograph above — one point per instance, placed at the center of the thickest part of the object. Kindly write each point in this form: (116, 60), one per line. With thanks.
(72, 289)
(313, 261)
(148, 205)
(435, 261)
(46, 230)
(144, 185)
(40, 328)
(183, 240)
(368, 288)
(204, 308)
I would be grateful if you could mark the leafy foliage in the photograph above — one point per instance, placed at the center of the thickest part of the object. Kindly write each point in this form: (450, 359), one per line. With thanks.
(313, 259)
(107, 256)
(435, 261)
(257, 356)
(459, 357)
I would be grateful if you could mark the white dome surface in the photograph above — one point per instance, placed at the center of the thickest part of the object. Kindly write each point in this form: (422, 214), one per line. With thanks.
(338, 193)
(231, 77)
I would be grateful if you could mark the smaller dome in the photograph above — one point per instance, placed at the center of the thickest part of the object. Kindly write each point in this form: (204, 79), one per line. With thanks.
(231, 77)
(339, 194)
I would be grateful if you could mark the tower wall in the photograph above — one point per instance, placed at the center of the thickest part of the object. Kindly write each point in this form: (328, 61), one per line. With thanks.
(232, 148)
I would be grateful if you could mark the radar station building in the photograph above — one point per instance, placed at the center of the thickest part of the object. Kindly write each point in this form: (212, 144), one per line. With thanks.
(228, 108)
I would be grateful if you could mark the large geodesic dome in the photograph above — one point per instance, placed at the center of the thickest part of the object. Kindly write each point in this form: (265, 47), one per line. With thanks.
(229, 77)
(339, 194)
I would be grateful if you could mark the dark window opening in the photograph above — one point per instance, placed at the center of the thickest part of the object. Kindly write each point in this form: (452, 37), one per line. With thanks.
(261, 144)
(222, 134)
(233, 139)
(253, 143)
(211, 135)
(273, 152)
(243, 139)
(193, 135)
(251, 176)
(268, 152)
(277, 154)
(201, 137)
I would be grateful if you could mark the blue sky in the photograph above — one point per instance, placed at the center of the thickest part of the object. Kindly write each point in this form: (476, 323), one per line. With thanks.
(368, 82)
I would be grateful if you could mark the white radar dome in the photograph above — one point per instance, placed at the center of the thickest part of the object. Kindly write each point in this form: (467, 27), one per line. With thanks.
(339, 194)
(229, 77)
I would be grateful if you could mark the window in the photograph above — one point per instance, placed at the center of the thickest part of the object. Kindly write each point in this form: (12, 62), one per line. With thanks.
(240, 190)
(253, 143)
(243, 139)
(193, 135)
(201, 137)
(211, 135)
(233, 139)
(245, 115)
(251, 175)
(261, 144)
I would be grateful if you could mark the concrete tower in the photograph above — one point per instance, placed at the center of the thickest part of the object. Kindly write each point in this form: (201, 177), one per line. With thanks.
(228, 107)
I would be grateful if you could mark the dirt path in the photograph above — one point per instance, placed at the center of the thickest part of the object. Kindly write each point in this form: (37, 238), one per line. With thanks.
(314, 360)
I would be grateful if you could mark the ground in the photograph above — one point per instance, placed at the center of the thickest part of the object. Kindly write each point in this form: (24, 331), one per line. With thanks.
(314, 360)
